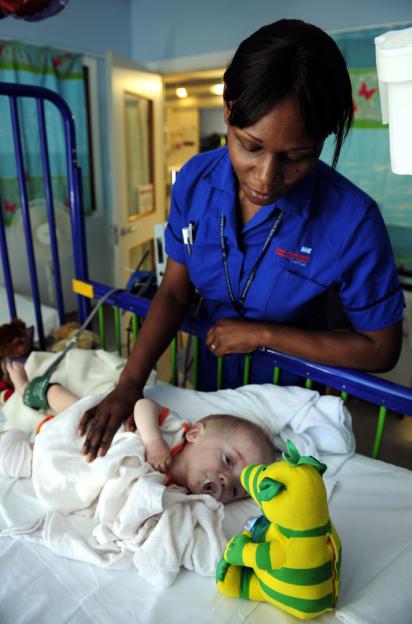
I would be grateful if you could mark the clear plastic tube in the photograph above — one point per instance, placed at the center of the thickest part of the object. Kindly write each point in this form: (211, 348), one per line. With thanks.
(212, 486)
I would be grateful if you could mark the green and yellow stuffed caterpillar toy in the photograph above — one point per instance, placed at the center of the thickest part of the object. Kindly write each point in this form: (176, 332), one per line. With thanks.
(291, 555)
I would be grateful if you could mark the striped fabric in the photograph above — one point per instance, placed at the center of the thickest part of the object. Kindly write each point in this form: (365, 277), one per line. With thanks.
(292, 555)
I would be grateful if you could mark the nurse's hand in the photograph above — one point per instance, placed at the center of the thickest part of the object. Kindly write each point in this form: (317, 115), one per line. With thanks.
(234, 336)
(103, 420)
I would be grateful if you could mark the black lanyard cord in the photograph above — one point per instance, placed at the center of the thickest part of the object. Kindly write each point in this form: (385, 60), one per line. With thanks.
(239, 305)
(224, 256)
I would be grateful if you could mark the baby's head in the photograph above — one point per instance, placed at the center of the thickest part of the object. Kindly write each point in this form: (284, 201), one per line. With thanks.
(217, 449)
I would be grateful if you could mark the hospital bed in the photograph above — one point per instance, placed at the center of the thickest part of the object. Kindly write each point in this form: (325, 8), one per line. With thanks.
(370, 502)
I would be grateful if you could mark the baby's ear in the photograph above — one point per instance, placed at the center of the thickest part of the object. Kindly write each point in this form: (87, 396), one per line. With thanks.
(194, 432)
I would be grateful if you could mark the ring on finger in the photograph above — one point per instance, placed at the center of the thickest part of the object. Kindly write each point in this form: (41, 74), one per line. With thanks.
(213, 347)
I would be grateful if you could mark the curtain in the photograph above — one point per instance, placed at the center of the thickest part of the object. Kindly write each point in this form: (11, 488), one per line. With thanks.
(61, 72)
(365, 156)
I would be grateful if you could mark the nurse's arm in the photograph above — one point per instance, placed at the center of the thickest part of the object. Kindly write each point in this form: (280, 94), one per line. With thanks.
(166, 313)
(375, 351)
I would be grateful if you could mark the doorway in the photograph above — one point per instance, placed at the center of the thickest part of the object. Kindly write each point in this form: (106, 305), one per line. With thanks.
(194, 116)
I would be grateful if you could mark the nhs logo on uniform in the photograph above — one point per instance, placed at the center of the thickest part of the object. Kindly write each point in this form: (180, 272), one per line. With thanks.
(301, 257)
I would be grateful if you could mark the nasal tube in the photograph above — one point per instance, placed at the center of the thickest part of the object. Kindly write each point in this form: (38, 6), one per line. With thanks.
(212, 486)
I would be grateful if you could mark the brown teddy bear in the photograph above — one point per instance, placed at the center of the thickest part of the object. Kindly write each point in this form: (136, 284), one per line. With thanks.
(87, 339)
(16, 342)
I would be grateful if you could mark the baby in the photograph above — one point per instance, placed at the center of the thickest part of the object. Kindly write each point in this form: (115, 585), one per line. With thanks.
(207, 457)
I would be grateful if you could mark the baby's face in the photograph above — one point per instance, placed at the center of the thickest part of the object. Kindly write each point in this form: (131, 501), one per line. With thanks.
(212, 453)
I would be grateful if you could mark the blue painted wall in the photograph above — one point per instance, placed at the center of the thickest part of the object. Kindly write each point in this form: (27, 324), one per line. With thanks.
(164, 29)
(150, 30)
(84, 25)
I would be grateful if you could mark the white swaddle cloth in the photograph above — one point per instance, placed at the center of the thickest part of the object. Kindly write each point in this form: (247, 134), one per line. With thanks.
(116, 512)
(15, 454)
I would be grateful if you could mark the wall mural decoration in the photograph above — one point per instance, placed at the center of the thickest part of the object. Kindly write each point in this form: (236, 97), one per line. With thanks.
(365, 156)
(61, 72)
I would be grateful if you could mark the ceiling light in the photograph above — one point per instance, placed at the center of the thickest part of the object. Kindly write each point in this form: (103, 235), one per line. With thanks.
(181, 92)
(217, 89)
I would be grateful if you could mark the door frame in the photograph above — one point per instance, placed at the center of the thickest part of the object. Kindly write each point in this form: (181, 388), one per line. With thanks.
(128, 233)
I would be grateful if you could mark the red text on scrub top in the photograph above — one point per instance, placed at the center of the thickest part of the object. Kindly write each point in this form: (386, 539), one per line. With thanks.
(293, 256)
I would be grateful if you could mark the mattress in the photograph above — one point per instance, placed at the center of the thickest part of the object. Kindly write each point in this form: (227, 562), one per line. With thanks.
(371, 506)
(25, 311)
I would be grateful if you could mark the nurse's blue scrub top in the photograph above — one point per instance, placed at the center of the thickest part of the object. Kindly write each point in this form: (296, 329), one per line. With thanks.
(331, 235)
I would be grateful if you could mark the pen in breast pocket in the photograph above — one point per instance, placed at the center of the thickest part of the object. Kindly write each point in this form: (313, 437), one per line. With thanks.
(188, 236)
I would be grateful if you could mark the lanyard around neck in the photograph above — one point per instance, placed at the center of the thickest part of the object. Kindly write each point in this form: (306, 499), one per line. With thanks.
(239, 305)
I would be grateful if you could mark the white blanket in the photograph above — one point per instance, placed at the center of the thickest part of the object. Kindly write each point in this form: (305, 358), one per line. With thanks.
(116, 512)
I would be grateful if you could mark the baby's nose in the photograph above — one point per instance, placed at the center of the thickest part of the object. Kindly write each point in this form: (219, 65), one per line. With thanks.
(224, 479)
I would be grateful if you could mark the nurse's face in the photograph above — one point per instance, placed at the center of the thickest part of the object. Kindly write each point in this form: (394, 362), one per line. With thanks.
(271, 156)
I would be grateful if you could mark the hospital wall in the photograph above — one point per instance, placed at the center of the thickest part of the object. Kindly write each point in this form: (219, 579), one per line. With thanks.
(84, 25)
(164, 30)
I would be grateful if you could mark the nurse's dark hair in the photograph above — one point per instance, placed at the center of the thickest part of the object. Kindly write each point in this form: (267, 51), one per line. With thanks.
(291, 58)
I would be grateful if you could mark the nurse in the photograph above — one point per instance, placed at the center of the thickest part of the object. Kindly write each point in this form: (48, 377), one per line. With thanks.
(268, 234)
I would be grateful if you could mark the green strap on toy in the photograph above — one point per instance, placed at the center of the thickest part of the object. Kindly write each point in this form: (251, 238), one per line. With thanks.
(34, 395)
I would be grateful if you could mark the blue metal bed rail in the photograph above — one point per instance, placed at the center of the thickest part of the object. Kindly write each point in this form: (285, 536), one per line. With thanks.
(14, 92)
(384, 394)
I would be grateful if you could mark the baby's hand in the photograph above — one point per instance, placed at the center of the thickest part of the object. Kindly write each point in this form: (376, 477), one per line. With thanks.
(158, 454)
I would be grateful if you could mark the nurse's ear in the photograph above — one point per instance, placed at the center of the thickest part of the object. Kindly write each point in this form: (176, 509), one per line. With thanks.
(226, 112)
(194, 432)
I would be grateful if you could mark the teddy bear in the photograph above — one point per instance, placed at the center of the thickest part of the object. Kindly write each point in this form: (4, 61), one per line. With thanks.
(16, 343)
(289, 556)
(87, 339)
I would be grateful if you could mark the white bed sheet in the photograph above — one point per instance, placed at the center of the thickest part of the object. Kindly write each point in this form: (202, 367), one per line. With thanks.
(371, 506)
(25, 311)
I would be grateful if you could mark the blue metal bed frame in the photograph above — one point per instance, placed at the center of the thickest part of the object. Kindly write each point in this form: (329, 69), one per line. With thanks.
(384, 394)
(14, 92)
